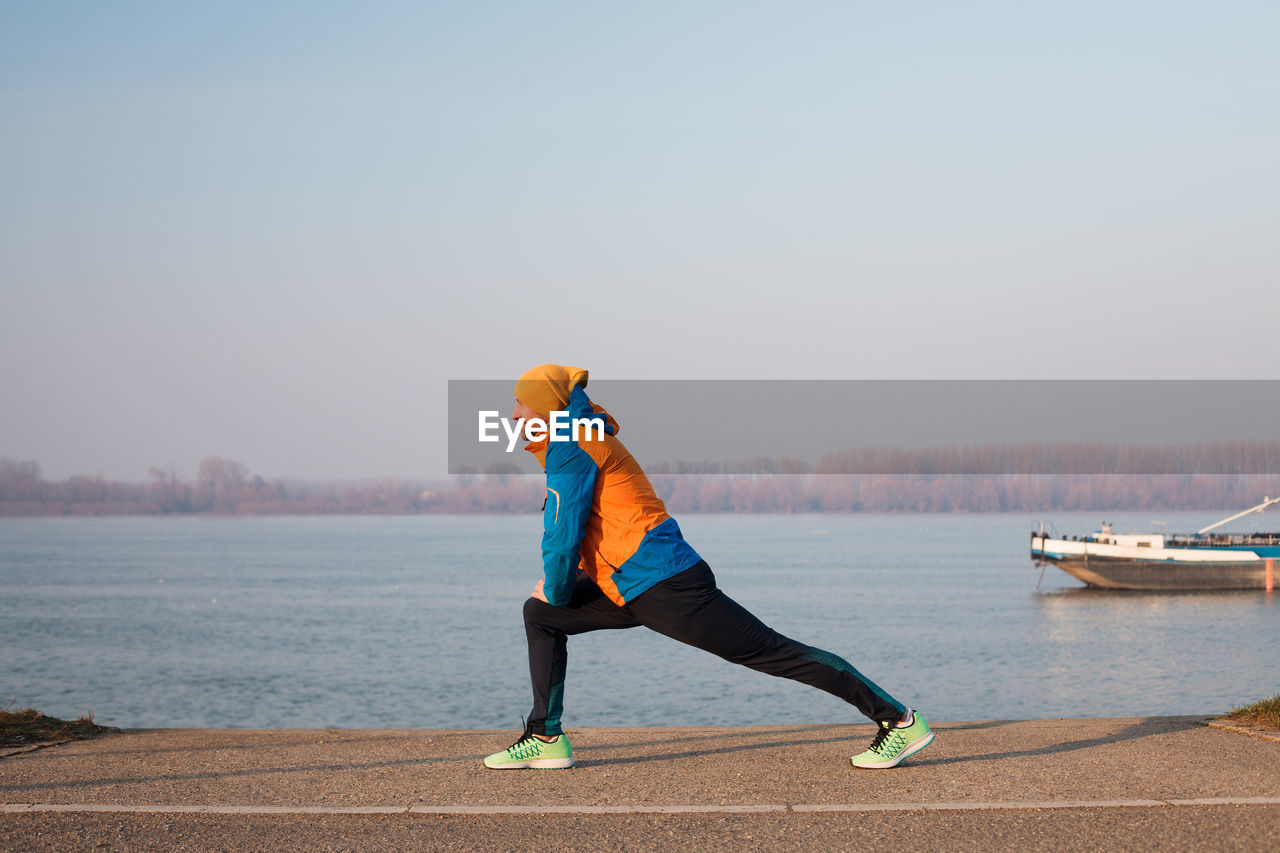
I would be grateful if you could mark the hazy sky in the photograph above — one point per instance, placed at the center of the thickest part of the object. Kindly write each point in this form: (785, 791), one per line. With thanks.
(274, 231)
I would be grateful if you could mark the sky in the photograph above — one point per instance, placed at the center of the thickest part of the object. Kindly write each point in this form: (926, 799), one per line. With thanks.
(273, 232)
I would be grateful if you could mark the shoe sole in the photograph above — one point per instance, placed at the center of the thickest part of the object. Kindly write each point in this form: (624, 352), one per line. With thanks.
(536, 764)
(911, 749)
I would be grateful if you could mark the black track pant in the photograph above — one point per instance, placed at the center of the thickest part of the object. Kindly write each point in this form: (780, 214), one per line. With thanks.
(689, 608)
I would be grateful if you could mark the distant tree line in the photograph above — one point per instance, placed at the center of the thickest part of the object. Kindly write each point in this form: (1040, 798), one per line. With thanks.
(859, 482)
(1224, 458)
(225, 487)
(781, 493)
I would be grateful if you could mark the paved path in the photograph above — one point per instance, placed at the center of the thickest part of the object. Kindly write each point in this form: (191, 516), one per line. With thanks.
(1168, 783)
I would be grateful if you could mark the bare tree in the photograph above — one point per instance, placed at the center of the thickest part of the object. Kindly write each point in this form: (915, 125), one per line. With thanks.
(222, 482)
(171, 494)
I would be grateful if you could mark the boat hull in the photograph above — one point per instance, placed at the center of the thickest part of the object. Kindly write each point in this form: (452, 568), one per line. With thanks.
(1112, 573)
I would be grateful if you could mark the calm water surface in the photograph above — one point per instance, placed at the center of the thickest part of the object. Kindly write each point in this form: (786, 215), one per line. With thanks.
(415, 623)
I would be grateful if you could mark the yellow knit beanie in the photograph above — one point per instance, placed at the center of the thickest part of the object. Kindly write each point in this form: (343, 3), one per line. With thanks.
(546, 388)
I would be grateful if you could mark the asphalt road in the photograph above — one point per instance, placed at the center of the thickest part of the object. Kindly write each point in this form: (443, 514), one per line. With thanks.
(1166, 783)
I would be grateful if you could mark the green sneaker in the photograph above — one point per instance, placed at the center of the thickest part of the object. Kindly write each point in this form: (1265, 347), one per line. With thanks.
(894, 743)
(531, 752)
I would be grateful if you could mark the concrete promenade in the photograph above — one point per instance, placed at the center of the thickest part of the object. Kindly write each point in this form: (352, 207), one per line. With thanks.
(1163, 783)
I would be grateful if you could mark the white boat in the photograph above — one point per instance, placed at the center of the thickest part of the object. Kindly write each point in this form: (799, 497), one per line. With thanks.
(1161, 561)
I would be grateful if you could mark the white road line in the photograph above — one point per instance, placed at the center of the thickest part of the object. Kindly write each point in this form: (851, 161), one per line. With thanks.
(148, 808)
(810, 808)
(680, 809)
(962, 806)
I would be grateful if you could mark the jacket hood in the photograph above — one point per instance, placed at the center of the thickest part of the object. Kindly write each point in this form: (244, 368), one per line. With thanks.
(579, 407)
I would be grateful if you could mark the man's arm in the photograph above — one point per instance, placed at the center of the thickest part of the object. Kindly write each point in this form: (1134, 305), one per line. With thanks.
(571, 480)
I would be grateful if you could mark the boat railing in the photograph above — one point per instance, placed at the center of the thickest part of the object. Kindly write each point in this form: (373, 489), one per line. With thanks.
(1200, 540)
(1183, 540)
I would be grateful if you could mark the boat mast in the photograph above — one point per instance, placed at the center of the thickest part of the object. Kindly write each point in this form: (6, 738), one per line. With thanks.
(1266, 502)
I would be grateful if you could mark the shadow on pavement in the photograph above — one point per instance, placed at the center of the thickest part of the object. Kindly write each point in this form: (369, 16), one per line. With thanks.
(231, 774)
(1147, 727)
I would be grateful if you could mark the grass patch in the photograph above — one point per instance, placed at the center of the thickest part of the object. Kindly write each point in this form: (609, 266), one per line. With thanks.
(1265, 713)
(29, 726)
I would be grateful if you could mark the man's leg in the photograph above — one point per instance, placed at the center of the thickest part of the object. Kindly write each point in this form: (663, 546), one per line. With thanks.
(690, 608)
(548, 628)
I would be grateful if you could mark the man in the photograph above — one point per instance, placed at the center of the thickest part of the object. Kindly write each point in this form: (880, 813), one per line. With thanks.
(613, 558)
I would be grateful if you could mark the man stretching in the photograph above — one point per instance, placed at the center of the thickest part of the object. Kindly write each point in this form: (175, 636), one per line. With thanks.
(613, 558)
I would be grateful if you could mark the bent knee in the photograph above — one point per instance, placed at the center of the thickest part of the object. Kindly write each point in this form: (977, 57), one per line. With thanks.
(533, 607)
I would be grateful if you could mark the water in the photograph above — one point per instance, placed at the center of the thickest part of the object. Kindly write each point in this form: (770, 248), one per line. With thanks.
(415, 623)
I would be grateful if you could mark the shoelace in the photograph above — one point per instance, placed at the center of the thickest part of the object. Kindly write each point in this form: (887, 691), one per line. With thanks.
(887, 730)
(526, 745)
(527, 748)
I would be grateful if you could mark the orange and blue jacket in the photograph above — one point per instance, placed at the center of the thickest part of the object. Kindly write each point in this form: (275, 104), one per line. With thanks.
(602, 517)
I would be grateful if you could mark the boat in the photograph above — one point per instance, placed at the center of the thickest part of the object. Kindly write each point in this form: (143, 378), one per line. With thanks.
(1203, 560)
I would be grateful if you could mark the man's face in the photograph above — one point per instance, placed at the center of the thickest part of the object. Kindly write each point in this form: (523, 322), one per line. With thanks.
(522, 411)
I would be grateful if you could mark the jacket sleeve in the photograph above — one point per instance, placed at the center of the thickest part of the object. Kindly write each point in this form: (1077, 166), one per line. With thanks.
(571, 480)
